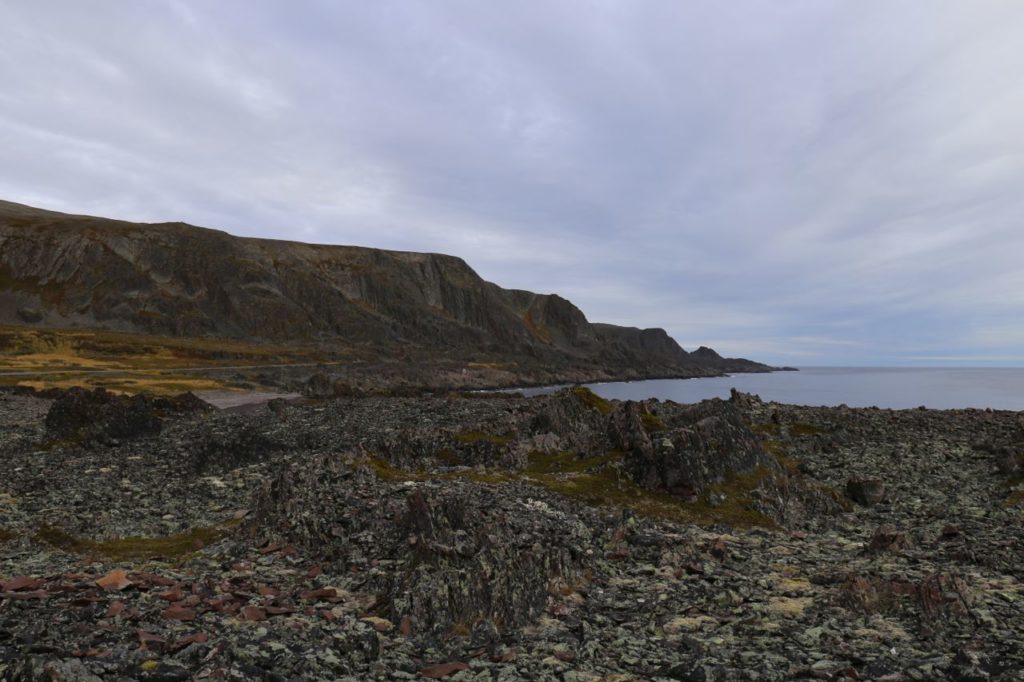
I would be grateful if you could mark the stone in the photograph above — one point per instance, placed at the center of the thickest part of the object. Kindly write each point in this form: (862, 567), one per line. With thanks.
(865, 491)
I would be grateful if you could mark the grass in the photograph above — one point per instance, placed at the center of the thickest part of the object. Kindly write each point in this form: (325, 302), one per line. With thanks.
(652, 422)
(803, 429)
(162, 385)
(133, 363)
(766, 430)
(171, 547)
(564, 462)
(609, 488)
(592, 400)
(598, 482)
(449, 457)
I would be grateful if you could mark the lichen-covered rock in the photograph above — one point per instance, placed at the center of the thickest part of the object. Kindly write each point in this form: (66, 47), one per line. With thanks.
(793, 500)
(1010, 461)
(627, 431)
(888, 539)
(577, 416)
(664, 587)
(455, 552)
(231, 445)
(706, 442)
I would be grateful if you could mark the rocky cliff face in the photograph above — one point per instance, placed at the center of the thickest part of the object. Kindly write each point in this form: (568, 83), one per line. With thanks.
(60, 270)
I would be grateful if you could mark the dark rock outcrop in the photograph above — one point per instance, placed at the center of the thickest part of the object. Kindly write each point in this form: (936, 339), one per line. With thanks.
(239, 444)
(865, 491)
(706, 443)
(79, 414)
(459, 553)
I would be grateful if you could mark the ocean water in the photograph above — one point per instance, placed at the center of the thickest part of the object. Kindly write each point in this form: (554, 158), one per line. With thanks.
(892, 387)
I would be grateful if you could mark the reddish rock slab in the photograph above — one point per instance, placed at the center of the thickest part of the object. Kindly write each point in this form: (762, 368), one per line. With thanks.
(443, 670)
(182, 613)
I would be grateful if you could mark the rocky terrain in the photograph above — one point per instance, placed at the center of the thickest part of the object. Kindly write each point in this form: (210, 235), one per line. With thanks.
(60, 271)
(495, 537)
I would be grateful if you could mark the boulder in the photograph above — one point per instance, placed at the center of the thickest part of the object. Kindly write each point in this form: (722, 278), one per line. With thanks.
(578, 417)
(706, 443)
(888, 539)
(319, 386)
(865, 491)
(30, 315)
(231, 445)
(458, 552)
(626, 430)
(99, 415)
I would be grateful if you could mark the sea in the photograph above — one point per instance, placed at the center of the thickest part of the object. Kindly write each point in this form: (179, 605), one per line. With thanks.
(884, 387)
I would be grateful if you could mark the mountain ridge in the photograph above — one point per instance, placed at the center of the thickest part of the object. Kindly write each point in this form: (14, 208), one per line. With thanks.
(64, 270)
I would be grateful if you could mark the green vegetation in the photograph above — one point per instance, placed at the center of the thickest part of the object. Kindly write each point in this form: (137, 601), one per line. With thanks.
(449, 457)
(567, 462)
(735, 509)
(593, 400)
(790, 464)
(172, 547)
(652, 422)
(609, 488)
(133, 363)
(803, 429)
(766, 430)
(600, 482)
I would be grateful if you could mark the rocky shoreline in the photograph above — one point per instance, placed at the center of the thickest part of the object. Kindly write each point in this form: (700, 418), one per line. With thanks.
(495, 537)
(432, 376)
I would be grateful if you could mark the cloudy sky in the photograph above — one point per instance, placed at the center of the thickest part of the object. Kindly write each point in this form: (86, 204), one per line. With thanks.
(803, 182)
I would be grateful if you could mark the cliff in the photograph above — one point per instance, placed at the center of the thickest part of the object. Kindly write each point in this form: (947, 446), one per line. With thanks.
(60, 270)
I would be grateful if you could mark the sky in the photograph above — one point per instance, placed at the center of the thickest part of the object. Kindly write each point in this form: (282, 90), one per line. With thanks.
(805, 182)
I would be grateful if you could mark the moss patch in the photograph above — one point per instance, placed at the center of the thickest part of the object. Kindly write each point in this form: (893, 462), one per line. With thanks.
(609, 489)
(803, 429)
(652, 422)
(790, 464)
(388, 472)
(843, 501)
(735, 508)
(172, 547)
(766, 430)
(596, 481)
(592, 400)
(448, 456)
(567, 462)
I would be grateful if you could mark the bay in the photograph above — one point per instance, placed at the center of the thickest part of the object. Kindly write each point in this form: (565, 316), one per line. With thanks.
(887, 387)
